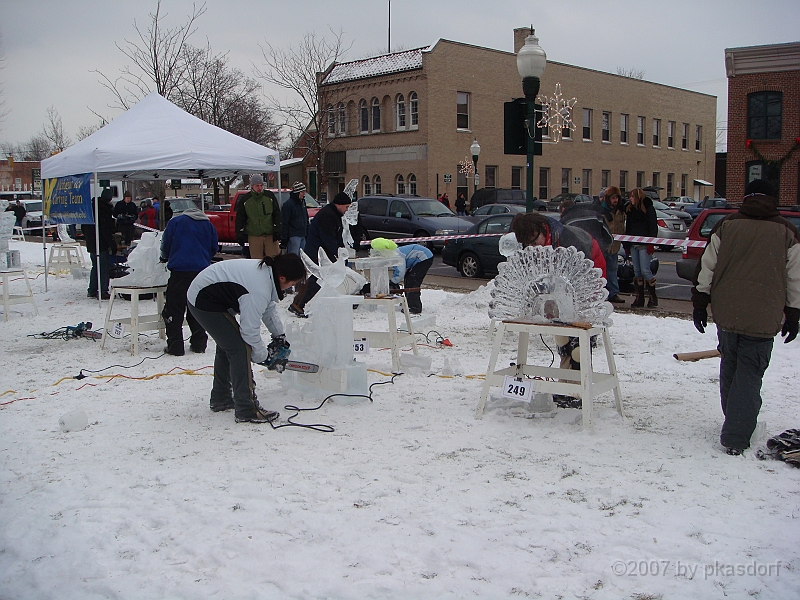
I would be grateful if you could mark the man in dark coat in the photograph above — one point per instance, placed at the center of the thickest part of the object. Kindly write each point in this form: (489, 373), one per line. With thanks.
(107, 244)
(125, 213)
(19, 211)
(294, 217)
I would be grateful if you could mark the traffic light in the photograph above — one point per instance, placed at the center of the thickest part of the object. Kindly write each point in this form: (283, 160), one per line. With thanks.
(515, 132)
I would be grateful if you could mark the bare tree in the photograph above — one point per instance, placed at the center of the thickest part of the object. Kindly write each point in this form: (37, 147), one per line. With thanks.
(298, 70)
(53, 132)
(158, 59)
(85, 131)
(633, 72)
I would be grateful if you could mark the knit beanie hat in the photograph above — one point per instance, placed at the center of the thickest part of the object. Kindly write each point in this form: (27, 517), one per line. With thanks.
(342, 198)
(759, 186)
(298, 187)
(256, 180)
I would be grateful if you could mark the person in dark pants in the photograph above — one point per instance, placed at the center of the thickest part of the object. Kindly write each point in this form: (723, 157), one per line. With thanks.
(418, 260)
(294, 220)
(107, 245)
(125, 213)
(252, 289)
(750, 274)
(187, 246)
(19, 211)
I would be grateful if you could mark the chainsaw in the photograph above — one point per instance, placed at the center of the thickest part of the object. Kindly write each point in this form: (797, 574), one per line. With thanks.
(278, 358)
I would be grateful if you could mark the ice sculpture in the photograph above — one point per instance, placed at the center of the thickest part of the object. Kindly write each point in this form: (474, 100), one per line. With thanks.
(509, 244)
(147, 270)
(326, 338)
(541, 284)
(7, 220)
(378, 264)
(350, 217)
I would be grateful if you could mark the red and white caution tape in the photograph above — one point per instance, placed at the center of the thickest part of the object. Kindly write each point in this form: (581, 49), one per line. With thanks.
(639, 239)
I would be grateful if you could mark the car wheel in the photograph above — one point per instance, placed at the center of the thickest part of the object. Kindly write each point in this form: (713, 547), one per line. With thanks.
(423, 233)
(469, 265)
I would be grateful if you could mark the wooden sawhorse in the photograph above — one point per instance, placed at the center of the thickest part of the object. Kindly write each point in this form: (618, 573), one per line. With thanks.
(393, 339)
(9, 298)
(137, 322)
(585, 384)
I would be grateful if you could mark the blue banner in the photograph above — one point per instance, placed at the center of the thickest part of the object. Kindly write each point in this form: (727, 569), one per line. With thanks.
(68, 200)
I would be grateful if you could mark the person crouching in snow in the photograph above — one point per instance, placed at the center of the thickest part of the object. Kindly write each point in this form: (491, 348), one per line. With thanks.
(251, 289)
(418, 259)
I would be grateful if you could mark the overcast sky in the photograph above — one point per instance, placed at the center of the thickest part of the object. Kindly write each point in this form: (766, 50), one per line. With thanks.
(52, 47)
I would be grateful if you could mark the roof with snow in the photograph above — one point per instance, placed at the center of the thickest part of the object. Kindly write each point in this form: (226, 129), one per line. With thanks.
(397, 62)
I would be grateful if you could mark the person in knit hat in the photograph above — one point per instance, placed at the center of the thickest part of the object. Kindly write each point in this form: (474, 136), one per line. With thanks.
(258, 220)
(294, 215)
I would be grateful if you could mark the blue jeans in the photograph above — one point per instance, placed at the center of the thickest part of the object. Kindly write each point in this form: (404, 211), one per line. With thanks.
(612, 283)
(103, 273)
(296, 244)
(641, 262)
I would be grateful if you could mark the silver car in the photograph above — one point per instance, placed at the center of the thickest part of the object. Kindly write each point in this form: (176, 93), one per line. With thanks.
(671, 228)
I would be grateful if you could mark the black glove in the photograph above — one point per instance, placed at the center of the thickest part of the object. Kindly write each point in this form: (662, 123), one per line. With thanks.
(790, 321)
(284, 244)
(700, 318)
(278, 341)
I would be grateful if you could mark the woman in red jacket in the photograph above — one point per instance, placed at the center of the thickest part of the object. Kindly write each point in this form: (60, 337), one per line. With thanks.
(147, 215)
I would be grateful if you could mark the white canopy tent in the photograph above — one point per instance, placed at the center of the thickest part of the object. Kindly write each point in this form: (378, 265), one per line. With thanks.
(157, 140)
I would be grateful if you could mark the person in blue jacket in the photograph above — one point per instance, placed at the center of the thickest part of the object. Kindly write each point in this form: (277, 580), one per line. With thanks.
(418, 260)
(187, 246)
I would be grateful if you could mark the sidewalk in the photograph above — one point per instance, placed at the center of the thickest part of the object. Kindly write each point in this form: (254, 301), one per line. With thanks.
(666, 307)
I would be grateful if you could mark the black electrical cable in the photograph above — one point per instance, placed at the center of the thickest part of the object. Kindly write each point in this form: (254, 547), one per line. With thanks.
(80, 374)
(551, 351)
(321, 426)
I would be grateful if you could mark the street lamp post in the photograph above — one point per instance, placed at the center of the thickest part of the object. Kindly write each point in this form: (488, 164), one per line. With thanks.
(475, 149)
(531, 60)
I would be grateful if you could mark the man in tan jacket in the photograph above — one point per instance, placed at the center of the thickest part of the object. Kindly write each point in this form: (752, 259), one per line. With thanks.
(750, 274)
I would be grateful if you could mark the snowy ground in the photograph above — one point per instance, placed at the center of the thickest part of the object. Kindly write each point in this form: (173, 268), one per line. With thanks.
(410, 497)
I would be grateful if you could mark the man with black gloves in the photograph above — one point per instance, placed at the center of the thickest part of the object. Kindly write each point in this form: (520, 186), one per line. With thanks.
(125, 213)
(187, 246)
(750, 274)
(107, 245)
(294, 216)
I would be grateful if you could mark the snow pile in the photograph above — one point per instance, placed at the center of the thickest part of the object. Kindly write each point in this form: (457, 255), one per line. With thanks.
(410, 497)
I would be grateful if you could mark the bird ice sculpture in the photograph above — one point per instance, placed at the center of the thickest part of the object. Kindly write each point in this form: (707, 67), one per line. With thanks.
(329, 274)
(541, 284)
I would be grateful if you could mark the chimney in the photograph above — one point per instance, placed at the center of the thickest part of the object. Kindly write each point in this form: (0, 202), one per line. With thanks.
(520, 33)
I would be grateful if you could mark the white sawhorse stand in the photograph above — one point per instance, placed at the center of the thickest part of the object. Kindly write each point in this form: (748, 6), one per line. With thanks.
(392, 339)
(585, 384)
(9, 298)
(64, 254)
(137, 322)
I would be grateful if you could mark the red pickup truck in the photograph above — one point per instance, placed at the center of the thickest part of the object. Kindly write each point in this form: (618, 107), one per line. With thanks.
(224, 219)
(701, 230)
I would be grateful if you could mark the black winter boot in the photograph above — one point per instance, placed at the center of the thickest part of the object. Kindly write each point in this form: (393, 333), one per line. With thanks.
(639, 300)
(652, 301)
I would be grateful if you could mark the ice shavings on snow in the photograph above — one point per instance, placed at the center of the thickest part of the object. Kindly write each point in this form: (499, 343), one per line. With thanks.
(411, 497)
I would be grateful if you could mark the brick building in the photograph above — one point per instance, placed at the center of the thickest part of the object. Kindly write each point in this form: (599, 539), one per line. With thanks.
(764, 119)
(402, 123)
(21, 175)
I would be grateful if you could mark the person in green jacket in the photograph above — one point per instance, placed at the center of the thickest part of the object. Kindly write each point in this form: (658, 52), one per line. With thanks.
(258, 220)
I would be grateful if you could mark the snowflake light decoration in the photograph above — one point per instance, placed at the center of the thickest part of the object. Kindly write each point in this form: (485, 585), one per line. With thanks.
(466, 167)
(557, 114)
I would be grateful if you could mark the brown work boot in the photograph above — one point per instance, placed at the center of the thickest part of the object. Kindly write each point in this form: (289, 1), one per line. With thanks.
(652, 301)
(638, 302)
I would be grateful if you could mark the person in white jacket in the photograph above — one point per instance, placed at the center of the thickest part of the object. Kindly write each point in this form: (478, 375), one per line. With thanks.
(251, 289)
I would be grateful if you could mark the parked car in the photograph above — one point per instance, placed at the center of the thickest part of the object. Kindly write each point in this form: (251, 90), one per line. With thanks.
(676, 213)
(556, 201)
(33, 218)
(409, 216)
(502, 196)
(495, 209)
(670, 227)
(701, 230)
(705, 203)
(179, 205)
(473, 257)
(651, 191)
(679, 202)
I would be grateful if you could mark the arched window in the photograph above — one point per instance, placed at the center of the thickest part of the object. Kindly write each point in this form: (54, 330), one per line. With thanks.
(331, 121)
(364, 116)
(367, 186)
(376, 115)
(412, 184)
(401, 185)
(401, 112)
(414, 109)
(376, 184)
(342, 120)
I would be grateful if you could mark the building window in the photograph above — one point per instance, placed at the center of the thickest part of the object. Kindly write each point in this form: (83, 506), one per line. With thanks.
(376, 116)
(331, 121)
(656, 179)
(623, 129)
(545, 128)
(606, 132)
(412, 184)
(684, 179)
(400, 184)
(401, 112)
(685, 137)
(566, 175)
(623, 182)
(516, 178)
(761, 170)
(376, 184)
(670, 134)
(462, 110)
(640, 131)
(544, 179)
(367, 185)
(363, 112)
(656, 132)
(605, 176)
(586, 180)
(491, 176)
(670, 183)
(341, 121)
(764, 115)
(413, 102)
(640, 179)
(587, 123)
(698, 137)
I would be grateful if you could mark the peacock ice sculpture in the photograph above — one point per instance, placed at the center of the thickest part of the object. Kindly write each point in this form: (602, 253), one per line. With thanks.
(543, 284)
